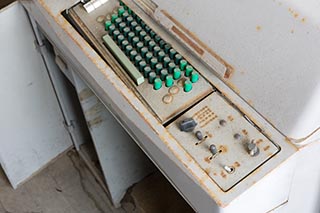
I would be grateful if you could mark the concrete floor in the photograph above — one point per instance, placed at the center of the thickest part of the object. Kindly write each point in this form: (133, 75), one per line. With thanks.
(67, 186)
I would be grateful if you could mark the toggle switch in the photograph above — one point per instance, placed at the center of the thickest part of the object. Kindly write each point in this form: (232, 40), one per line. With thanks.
(187, 125)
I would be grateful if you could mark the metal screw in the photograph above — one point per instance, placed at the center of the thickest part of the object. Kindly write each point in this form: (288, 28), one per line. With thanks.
(229, 169)
(253, 149)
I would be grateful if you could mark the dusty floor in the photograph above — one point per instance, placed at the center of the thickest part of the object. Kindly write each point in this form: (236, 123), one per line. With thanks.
(67, 186)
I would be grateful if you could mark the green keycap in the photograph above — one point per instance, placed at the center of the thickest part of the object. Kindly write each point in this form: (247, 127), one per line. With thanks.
(121, 3)
(177, 59)
(135, 41)
(138, 19)
(142, 24)
(129, 20)
(137, 30)
(115, 34)
(147, 39)
(137, 60)
(126, 31)
(172, 53)
(152, 34)
(194, 77)
(133, 25)
(147, 72)
(121, 11)
(159, 67)
(142, 65)
(166, 61)
(114, 17)
(156, 50)
(157, 38)
(112, 28)
(118, 21)
(171, 67)
(176, 73)
(187, 87)
(131, 36)
(151, 45)
(129, 10)
(189, 70)
(144, 51)
(133, 54)
(125, 15)
(124, 44)
(129, 48)
(157, 84)
(169, 81)
(107, 24)
(162, 43)
(153, 62)
(161, 55)
(122, 25)
(147, 29)
(167, 48)
(163, 74)
(142, 35)
(139, 46)
(120, 39)
(148, 57)
(151, 77)
(183, 64)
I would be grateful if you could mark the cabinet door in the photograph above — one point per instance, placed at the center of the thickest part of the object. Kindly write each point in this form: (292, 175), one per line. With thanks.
(32, 131)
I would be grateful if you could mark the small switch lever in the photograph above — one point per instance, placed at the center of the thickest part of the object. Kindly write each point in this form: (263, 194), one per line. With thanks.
(187, 125)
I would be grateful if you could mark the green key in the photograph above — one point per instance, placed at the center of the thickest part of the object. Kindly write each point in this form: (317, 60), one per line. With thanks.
(138, 19)
(142, 35)
(147, 72)
(135, 41)
(167, 48)
(189, 70)
(171, 67)
(151, 45)
(142, 24)
(126, 31)
(120, 39)
(156, 50)
(133, 54)
(149, 56)
(133, 25)
(176, 73)
(152, 34)
(172, 53)
(153, 62)
(161, 55)
(122, 26)
(163, 74)
(124, 44)
(131, 36)
(137, 30)
(151, 77)
(157, 38)
(114, 17)
(139, 46)
(115, 34)
(129, 48)
(121, 3)
(118, 21)
(129, 20)
(166, 61)
(144, 51)
(162, 43)
(183, 64)
(177, 58)
(107, 24)
(169, 81)
(147, 39)
(187, 87)
(112, 28)
(147, 29)
(129, 11)
(137, 60)
(142, 65)
(159, 67)
(121, 11)
(194, 77)
(157, 84)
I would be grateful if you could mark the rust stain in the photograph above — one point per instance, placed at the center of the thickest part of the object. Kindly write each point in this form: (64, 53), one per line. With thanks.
(187, 40)
(258, 28)
(230, 118)
(236, 164)
(245, 132)
(230, 68)
(85, 94)
(223, 174)
(215, 174)
(223, 149)
(259, 141)
(209, 134)
(207, 159)
(94, 122)
(303, 20)
(207, 170)
(92, 111)
(266, 148)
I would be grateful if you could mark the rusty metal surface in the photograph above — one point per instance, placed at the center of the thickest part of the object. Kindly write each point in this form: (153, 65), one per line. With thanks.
(178, 166)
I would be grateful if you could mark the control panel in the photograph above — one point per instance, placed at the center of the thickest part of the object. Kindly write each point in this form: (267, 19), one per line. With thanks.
(162, 77)
(225, 145)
